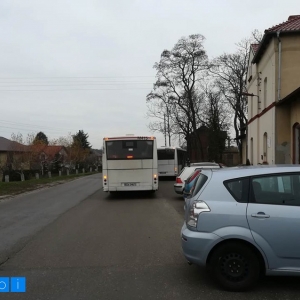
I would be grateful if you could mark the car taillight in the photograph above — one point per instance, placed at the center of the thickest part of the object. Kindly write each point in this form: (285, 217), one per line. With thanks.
(194, 175)
(178, 180)
(196, 208)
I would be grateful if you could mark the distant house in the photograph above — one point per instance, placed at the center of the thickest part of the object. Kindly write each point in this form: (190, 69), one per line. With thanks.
(95, 157)
(231, 156)
(13, 155)
(201, 146)
(273, 85)
(47, 157)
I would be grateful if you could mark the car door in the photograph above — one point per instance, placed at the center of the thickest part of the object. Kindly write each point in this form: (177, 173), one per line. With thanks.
(273, 215)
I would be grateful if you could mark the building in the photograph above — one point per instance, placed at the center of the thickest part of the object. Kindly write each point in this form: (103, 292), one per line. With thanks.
(231, 156)
(45, 157)
(13, 155)
(273, 80)
(203, 146)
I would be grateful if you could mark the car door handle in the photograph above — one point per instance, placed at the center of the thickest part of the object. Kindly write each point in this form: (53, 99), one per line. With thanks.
(260, 215)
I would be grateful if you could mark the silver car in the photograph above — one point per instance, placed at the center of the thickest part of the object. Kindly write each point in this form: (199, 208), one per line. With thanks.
(187, 171)
(243, 222)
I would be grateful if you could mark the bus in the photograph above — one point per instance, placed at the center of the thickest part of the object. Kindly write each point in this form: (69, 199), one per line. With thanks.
(129, 163)
(171, 160)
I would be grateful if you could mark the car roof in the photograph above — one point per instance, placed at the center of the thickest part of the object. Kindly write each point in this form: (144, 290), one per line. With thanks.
(242, 171)
(205, 164)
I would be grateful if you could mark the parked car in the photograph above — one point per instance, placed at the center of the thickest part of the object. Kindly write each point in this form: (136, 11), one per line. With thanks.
(243, 222)
(208, 163)
(183, 175)
(190, 183)
(187, 171)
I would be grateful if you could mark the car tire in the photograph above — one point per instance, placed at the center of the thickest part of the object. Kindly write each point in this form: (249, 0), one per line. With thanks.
(235, 266)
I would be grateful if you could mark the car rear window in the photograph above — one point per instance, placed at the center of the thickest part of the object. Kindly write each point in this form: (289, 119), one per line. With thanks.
(199, 184)
(238, 188)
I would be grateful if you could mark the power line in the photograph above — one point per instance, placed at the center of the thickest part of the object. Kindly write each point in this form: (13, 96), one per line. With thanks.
(22, 128)
(71, 81)
(29, 78)
(26, 124)
(70, 84)
(128, 89)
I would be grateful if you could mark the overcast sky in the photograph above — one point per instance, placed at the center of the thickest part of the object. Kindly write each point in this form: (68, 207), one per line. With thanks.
(88, 64)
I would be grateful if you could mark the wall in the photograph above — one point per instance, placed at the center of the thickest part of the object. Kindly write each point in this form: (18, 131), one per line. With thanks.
(290, 71)
(294, 118)
(283, 140)
(262, 110)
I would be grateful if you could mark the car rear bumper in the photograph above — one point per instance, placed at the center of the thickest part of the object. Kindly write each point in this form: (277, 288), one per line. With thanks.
(197, 245)
(178, 188)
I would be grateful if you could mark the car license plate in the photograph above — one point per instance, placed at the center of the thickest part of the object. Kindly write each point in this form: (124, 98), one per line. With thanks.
(162, 172)
(130, 183)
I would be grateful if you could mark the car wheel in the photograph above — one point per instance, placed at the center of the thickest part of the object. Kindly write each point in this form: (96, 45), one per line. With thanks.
(235, 266)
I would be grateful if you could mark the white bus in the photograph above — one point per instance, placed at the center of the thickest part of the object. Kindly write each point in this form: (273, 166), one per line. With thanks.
(171, 160)
(129, 163)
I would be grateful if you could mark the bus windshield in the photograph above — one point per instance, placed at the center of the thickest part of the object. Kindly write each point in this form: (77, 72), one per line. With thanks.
(129, 149)
(165, 154)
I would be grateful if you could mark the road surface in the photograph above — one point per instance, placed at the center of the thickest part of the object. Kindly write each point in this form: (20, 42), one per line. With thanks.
(74, 241)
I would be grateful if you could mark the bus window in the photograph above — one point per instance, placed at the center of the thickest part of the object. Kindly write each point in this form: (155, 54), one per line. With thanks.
(133, 149)
(165, 154)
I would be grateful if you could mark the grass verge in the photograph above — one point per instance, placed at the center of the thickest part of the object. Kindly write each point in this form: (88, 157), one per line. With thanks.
(18, 187)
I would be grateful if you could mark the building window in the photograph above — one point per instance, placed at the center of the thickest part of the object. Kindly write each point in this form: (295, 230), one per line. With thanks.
(250, 70)
(296, 143)
(265, 147)
(265, 92)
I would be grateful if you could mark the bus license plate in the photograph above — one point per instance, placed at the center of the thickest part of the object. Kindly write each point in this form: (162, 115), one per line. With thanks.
(130, 183)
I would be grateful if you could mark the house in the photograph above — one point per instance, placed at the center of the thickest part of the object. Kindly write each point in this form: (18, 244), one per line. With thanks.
(202, 146)
(273, 86)
(231, 156)
(13, 155)
(47, 157)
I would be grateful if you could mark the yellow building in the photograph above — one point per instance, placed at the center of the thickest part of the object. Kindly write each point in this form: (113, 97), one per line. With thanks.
(273, 132)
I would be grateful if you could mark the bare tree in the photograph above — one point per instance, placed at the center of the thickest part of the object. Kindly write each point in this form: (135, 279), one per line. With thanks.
(160, 108)
(19, 156)
(256, 36)
(179, 73)
(217, 120)
(230, 72)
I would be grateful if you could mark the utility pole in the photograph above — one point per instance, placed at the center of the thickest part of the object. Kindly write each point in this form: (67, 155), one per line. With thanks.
(165, 130)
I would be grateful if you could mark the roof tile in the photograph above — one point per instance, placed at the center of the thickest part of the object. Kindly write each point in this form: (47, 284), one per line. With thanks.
(292, 24)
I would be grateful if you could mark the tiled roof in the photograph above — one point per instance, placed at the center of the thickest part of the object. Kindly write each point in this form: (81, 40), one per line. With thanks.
(48, 150)
(52, 150)
(292, 24)
(8, 145)
(254, 47)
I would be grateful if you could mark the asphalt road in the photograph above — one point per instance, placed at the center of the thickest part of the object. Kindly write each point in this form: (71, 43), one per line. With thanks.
(94, 246)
